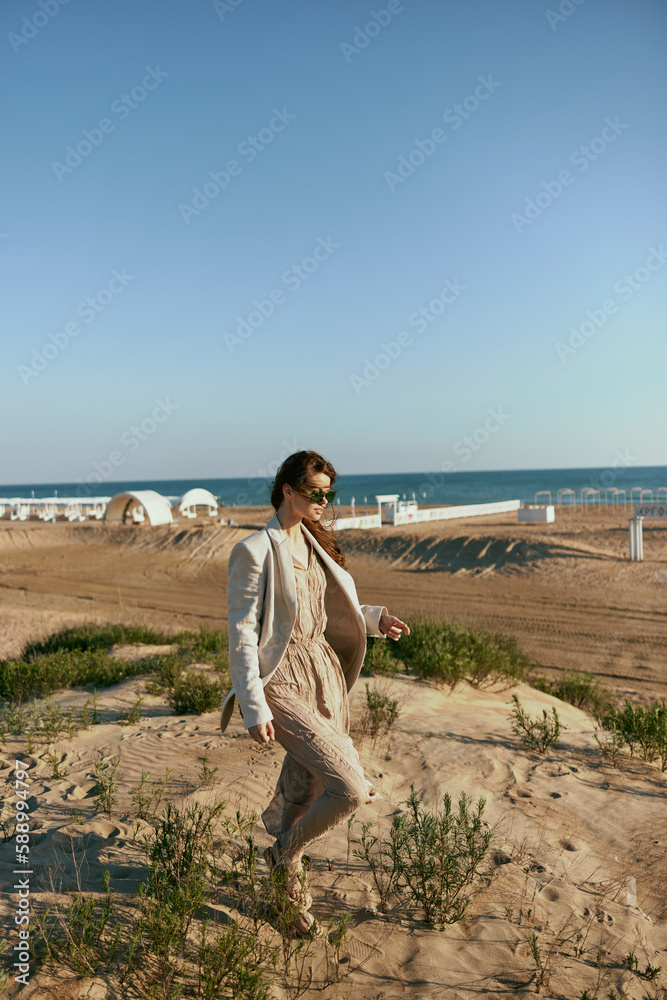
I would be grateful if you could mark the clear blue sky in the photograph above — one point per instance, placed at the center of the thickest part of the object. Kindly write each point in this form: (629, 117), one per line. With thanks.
(170, 91)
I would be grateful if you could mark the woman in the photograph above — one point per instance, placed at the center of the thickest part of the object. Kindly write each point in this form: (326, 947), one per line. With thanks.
(297, 639)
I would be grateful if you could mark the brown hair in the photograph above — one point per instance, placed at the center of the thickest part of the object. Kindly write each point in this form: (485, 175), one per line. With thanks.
(294, 472)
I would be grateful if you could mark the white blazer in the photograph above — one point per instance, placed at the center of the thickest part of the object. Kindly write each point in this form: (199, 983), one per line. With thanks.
(262, 613)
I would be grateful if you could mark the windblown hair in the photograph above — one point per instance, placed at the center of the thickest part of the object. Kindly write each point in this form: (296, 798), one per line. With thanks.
(295, 472)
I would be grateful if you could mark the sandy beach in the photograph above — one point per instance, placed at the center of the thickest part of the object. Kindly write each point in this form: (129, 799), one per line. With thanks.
(566, 589)
(569, 829)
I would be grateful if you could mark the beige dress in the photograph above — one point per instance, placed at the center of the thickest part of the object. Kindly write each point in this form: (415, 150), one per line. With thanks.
(322, 779)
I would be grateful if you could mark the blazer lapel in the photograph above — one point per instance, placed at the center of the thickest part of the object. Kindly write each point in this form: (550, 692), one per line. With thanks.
(281, 546)
(343, 579)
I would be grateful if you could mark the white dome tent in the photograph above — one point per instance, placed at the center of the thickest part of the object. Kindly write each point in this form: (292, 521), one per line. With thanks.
(137, 506)
(197, 497)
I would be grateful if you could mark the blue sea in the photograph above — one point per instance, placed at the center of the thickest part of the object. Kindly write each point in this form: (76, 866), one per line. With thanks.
(425, 487)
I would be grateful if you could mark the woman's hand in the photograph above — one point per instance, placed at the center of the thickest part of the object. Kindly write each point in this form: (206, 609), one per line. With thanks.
(393, 627)
(263, 733)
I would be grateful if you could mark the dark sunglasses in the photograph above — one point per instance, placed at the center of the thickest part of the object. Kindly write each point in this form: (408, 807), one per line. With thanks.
(317, 496)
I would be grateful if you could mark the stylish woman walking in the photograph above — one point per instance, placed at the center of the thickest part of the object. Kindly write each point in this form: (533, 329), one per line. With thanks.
(297, 638)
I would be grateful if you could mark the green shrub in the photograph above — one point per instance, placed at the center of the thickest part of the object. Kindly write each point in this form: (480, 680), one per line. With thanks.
(379, 659)
(57, 770)
(156, 952)
(383, 859)
(181, 839)
(447, 653)
(107, 786)
(206, 646)
(536, 734)
(14, 719)
(166, 671)
(433, 858)
(46, 721)
(194, 694)
(78, 657)
(75, 657)
(516, 663)
(90, 636)
(638, 729)
(51, 721)
(442, 855)
(146, 800)
(489, 658)
(581, 690)
(64, 668)
(380, 712)
(611, 747)
(89, 718)
(79, 936)
(229, 963)
(176, 886)
(132, 715)
(425, 653)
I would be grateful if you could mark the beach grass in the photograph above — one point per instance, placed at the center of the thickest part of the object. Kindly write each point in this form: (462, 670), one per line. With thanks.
(200, 861)
(81, 657)
(209, 921)
(579, 689)
(447, 653)
(639, 730)
(90, 636)
(439, 651)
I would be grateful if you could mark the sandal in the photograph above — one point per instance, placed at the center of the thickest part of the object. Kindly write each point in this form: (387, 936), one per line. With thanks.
(305, 924)
(294, 886)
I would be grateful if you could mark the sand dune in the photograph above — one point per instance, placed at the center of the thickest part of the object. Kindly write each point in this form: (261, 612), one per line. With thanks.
(569, 831)
(566, 589)
(466, 553)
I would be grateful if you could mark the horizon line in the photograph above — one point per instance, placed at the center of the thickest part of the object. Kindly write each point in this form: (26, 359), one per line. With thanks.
(419, 472)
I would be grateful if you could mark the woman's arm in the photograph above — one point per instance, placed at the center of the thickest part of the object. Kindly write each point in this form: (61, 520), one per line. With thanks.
(380, 623)
(372, 615)
(393, 627)
(245, 602)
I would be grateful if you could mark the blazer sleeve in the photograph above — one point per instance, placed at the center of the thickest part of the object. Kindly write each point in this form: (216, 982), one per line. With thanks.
(245, 602)
(372, 615)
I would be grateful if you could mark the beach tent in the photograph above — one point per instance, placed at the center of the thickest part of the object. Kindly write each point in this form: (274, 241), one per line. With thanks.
(138, 506)
(188, 503)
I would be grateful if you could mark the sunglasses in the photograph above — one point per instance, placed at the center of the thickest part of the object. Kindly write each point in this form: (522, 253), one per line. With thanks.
(317, 496)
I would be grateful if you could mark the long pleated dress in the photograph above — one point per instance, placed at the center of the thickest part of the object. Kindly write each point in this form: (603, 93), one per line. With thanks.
(307, 695)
